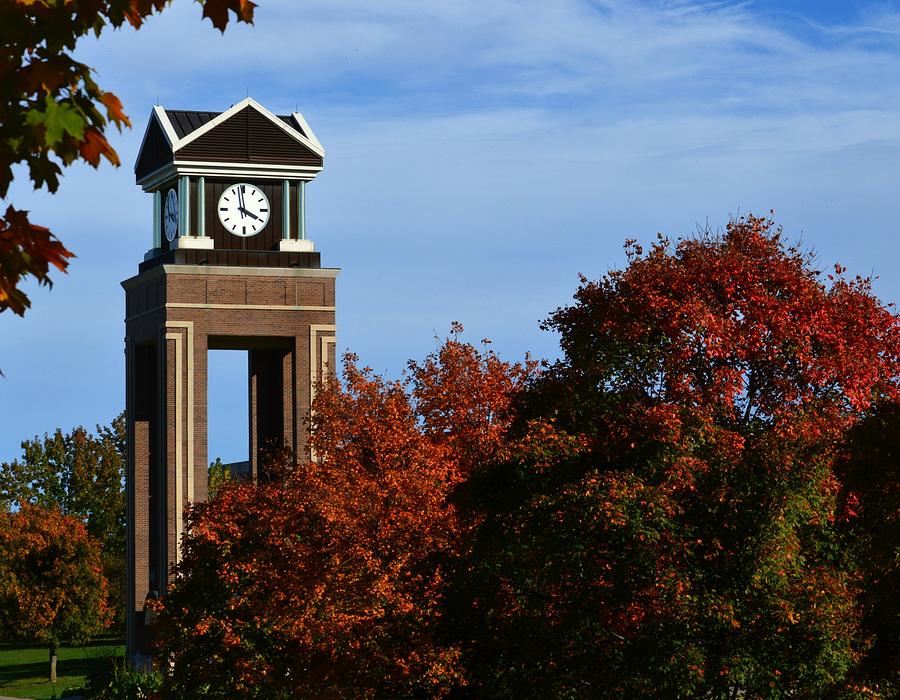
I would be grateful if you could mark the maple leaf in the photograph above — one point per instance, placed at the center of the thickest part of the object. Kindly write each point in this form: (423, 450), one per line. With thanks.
(26, 249)
(44, 171)
(94, 146)
(47, 75)
(57, 119)
(114, 110)
(217, 11)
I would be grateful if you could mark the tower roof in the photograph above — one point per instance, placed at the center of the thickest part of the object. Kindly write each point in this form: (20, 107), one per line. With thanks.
(245, 139)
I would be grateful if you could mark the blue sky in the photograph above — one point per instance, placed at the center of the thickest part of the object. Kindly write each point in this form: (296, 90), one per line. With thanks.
(479, 155)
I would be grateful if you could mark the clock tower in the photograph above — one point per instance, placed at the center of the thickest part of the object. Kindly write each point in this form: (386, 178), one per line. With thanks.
(230, 267)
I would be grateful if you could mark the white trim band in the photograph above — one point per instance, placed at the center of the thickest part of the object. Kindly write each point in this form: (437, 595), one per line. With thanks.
(193, 242)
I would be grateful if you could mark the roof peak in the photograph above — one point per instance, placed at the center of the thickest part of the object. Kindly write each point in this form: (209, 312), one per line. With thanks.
(181, 132)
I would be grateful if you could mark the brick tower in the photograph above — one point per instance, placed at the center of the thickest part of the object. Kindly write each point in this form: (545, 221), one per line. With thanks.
(230, 268)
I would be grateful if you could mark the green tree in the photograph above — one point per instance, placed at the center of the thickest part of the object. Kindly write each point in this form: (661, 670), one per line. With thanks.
(53, 113)
(52, 587)
(218, 476)
(83, 476)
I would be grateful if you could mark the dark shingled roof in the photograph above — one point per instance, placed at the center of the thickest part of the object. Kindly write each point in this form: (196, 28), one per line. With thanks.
(186, 121)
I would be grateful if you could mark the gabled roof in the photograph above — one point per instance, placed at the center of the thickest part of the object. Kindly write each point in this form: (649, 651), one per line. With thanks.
(186, 121)
(246, 133)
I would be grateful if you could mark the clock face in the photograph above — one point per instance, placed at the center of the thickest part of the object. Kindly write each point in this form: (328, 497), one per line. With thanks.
(170, 215)
(243, 209)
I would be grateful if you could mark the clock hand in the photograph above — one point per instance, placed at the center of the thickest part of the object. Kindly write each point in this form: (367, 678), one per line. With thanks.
(248, 213)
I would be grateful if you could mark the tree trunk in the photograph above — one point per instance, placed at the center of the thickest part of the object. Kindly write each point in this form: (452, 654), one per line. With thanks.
(53, 662)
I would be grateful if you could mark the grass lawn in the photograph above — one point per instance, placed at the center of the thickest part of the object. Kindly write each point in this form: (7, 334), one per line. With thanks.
(24, 671)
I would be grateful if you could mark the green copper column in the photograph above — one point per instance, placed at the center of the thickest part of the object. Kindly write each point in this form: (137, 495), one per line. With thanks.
(286, 210)
(301, 210)
(201, 206)
(157, 219)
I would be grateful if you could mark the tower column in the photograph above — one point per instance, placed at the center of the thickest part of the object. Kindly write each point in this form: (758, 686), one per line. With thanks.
(301, 210)
(286, 210)
(181, 417)
(184, 206)
(268, 429)
(201, 207)
(157, 219)
(141, 474)
(290, 243)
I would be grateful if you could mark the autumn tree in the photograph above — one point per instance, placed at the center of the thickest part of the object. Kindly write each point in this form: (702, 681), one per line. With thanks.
(53, 113)
(82, 475)
(52, 587)
(670, 523)
(696, 500)
(329, 582)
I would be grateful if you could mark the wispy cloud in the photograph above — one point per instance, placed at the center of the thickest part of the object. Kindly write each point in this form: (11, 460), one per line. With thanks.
(434, 56)
(480, 154)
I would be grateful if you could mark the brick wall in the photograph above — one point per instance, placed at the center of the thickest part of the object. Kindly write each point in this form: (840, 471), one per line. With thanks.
(198, 307)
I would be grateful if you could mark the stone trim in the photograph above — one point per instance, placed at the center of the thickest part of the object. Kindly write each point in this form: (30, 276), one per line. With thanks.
(314, 329)
(314, 373)
(184, 424)
(238, 307)
(209, 270)
(247, 307)
(179, 496)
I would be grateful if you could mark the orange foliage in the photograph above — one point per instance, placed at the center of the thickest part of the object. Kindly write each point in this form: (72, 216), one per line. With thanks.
(52, 586)
(25, 249)
(330, 581)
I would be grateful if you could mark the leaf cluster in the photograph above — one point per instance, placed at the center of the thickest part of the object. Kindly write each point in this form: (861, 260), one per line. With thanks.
(329, 581)
(688, 538)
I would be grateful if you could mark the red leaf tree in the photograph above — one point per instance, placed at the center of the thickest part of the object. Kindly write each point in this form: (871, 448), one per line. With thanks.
(329, 580)
(671, 525)
(82, 475)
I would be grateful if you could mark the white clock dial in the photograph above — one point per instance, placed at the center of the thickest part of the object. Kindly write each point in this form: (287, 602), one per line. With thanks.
(170, 215)
(243, 209)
